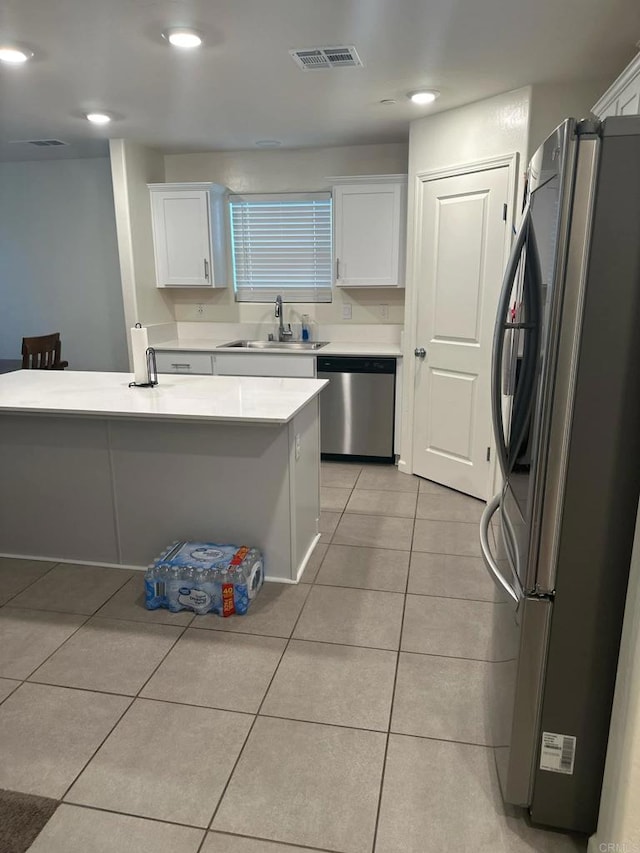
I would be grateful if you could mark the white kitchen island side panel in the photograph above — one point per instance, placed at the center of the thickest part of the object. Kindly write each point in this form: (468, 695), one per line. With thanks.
(304, 443)
(215, 483)
(114, 474)
(55, 490)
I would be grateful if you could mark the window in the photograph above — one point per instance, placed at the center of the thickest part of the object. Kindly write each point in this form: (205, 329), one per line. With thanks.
(282, 245)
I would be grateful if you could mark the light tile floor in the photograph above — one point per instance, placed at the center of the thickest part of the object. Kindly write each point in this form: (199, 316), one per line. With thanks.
(345, 714)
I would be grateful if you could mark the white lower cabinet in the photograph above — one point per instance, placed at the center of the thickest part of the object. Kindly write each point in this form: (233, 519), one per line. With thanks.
(256, 364)
(236, 364)
(180, 361)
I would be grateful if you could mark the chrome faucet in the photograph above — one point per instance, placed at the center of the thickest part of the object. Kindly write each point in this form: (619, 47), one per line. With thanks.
(284, 334)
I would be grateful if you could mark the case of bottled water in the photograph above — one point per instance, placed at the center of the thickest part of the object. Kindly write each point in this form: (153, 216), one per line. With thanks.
(204, 577)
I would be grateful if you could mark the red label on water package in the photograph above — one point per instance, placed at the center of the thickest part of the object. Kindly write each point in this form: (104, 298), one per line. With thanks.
(228, 604)
(239, 556)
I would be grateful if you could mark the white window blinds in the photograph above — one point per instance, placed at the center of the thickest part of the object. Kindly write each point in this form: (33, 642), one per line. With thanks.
(282, 245)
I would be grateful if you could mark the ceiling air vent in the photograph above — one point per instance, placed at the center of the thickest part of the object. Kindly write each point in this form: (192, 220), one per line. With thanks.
(327, 57)
(39, 143)
(46, 143)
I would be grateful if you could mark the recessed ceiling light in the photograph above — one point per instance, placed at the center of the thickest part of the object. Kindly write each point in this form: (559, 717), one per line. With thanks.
(14, 54)
(268, 143)
(423, 96)
(182, 37)
(99, 118)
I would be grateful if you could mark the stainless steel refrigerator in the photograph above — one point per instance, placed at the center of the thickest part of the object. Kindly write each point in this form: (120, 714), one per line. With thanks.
(566, 409)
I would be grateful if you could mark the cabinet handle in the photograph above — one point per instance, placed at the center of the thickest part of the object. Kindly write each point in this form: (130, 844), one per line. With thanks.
(178, 364)
(206, 269)
(337, 269)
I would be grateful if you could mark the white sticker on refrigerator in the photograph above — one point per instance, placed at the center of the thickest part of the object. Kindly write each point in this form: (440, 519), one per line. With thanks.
(557, 753)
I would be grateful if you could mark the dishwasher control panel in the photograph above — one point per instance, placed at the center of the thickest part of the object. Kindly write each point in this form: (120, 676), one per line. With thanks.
(355, 364)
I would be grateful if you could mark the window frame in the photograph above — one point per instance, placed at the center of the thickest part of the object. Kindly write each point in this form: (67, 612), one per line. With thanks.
(320, 290)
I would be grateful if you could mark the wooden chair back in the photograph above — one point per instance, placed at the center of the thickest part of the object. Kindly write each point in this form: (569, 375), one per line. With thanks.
(42, 353)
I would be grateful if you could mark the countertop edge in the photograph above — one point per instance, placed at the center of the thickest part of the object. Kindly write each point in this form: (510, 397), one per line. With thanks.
(355, 348)
(37, 381)
(155, 416)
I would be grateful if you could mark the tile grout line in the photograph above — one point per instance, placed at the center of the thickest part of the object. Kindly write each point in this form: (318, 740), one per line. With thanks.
(30, 679)
(55, 566)
(270, 841)
(113, 728)
(66, 640)
(252, 726)
(29, 585)
(132, 697)
(410, 551)
(57, 648)
(94, 753)
(132, 814)
(399, 592)
(280, 716)
(19, 681)
(393, 699)
(82, 624)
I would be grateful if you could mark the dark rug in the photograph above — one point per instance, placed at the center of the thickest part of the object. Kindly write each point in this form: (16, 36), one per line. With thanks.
(22, 816)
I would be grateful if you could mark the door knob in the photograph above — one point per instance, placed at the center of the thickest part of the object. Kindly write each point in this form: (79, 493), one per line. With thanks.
(420, 352)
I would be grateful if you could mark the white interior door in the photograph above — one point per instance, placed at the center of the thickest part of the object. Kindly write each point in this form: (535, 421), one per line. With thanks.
(462, 243)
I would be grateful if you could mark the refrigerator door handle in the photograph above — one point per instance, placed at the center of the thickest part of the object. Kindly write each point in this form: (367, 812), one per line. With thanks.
(523, 396)
(489, 561)
(498, 340)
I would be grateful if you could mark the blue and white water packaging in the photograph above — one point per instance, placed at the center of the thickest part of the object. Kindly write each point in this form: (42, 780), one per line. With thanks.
(204, 577)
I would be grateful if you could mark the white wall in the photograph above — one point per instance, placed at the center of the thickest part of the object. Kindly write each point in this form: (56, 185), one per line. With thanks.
(274, 170)
(619, 820)
(490, 128)
(132, 167)
(551, 103)
(282, 171)
(59, 261)
(498, 125)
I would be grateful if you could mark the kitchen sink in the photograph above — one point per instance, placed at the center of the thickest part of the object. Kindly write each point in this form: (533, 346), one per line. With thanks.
(294, 345)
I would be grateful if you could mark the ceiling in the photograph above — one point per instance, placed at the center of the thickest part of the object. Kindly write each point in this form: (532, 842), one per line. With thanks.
(242, 86)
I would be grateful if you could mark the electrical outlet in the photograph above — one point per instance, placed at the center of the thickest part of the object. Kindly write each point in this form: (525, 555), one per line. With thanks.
(346, 311)
(384, 312)
(200, 309)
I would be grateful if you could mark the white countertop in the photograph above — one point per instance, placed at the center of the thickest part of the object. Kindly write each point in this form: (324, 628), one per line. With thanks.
(362, 348)
(240, 399)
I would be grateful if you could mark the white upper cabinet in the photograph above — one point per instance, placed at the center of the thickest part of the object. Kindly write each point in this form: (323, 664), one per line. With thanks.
(189, 234)
(623, 97)
(369, 227)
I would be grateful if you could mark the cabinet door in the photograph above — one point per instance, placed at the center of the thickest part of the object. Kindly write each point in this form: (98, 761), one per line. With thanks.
(181, 238)
(368, 235)
(629, 100)
(256, 364)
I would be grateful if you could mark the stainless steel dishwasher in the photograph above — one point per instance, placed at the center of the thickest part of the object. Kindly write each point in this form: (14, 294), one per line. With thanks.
(357, 408)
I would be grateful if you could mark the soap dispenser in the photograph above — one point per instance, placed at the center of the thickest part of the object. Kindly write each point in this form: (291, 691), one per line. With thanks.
(306, 332)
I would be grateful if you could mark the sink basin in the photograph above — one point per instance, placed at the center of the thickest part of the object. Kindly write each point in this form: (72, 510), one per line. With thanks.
(295, 345)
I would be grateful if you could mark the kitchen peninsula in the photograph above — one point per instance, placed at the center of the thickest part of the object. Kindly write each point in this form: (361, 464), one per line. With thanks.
(96, 472)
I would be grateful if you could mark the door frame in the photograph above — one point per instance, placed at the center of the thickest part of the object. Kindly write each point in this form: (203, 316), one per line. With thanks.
(510, 161)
